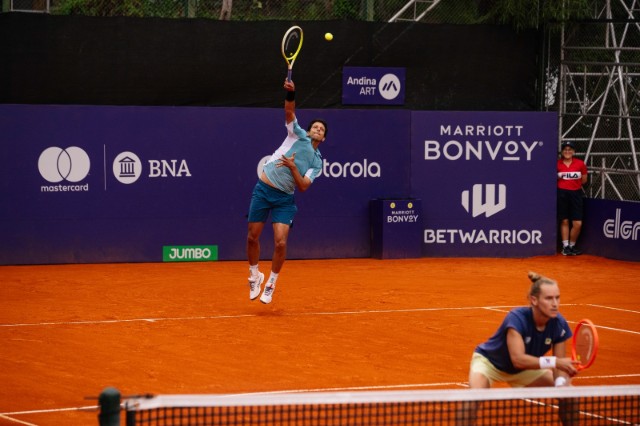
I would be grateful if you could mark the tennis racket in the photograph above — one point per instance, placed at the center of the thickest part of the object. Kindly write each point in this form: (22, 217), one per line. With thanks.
(291, 45)
(584, 345)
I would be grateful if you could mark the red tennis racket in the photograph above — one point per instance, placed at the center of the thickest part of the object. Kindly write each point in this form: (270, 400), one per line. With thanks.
(584, 345)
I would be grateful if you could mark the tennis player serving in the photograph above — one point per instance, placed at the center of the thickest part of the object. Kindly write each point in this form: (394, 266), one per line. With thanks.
(294, 165)
(517, 353)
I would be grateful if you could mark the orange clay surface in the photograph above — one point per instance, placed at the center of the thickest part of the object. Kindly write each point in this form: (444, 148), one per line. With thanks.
(69, 331)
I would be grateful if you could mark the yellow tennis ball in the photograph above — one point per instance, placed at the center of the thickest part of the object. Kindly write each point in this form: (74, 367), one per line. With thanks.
(328, 36)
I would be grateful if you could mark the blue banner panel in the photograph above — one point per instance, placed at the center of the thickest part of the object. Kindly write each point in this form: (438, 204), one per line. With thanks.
(488, 182)
(611, 229)
(89, 184)
(373, 86)
(396, 228)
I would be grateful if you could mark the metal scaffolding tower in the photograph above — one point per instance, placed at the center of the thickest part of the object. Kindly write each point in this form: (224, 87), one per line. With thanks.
(599, 96)
(414, 10)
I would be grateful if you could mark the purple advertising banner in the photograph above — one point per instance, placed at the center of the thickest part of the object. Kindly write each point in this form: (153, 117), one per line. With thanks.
(487, 181)
(373, 86)
(89, 184)
(611, 229)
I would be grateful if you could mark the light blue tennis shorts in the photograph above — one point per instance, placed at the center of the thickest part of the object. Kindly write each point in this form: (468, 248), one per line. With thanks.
(267, 199)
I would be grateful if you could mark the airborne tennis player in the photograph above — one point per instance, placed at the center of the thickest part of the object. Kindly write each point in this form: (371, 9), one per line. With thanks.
(294, 165)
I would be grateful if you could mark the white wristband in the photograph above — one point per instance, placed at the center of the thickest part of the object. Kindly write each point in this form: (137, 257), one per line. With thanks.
(560, 381)
(547, 362)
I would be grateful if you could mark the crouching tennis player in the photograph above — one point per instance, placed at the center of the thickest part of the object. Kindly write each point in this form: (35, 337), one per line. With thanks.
(517, 353)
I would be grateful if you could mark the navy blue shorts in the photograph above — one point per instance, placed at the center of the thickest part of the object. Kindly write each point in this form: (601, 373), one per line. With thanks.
(267, 199)
(569, 204)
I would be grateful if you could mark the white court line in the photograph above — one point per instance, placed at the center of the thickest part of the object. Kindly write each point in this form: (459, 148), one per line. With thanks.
(613, 309)
(5, 416)
(126, 320)
(386, 311)
(621, 330)
(610, 376)
(581, 412)
(20, 422)
(53, 410)
(392, 311)
(345, 389)
(502, 311)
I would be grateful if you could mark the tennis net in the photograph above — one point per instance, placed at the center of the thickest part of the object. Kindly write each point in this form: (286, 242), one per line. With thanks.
(587, 405)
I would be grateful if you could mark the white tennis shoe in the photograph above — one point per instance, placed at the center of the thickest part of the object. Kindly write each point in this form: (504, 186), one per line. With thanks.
(267, 295)
(254, 285)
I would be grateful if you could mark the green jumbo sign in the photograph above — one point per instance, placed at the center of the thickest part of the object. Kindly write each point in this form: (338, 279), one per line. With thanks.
(189, 253)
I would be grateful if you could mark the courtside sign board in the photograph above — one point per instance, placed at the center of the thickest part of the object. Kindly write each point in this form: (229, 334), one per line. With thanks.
(189, 253)
(159, 186)
(80, 190)
(491, 178)
(611, 228)
(373, 86)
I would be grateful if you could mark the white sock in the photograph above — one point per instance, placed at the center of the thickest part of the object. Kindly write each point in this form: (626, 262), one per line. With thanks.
(571, 244)
(253, 270)
(272, 279)
(565, 243)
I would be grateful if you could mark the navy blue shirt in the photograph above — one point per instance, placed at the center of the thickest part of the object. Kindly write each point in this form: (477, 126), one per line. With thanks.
(536, 343)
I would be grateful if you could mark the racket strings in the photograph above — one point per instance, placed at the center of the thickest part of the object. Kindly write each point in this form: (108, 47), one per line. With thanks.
(584, 345)
(292, 44)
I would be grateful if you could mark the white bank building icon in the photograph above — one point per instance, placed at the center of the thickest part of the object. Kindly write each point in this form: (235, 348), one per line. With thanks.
(487, 199)
(127, 167)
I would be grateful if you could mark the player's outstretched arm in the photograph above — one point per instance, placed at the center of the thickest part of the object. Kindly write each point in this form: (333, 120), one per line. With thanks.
(290, 102)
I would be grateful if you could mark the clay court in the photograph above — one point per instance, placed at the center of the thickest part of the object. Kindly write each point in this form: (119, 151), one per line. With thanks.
(69, 331)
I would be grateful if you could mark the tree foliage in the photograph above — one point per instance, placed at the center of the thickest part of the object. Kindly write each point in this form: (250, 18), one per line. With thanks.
(520, 14)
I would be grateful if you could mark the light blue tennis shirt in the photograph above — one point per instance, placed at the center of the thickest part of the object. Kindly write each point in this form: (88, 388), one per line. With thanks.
(307, 160)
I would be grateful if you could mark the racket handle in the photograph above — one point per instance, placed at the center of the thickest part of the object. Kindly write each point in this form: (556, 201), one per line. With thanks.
(289, 75)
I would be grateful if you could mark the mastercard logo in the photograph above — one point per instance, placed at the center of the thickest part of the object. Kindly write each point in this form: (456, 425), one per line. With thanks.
(71, 164)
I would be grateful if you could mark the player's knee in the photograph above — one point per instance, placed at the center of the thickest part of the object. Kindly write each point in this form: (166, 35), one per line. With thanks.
(281, 244)
(478, 381)
(546, 380)
(253, 238)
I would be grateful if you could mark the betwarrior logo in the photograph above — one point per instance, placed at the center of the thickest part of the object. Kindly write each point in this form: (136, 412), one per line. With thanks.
(485, 199)
(71, 164)
(189, 253)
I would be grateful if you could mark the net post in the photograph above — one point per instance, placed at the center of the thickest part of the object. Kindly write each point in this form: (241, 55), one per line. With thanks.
(109, 402)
